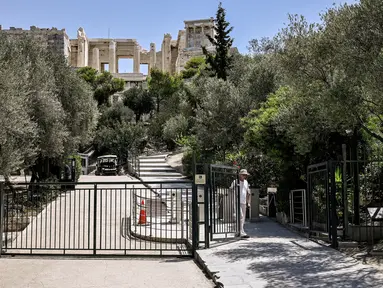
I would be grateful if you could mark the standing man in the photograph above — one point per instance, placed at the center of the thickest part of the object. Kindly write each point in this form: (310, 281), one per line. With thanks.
(244, 196)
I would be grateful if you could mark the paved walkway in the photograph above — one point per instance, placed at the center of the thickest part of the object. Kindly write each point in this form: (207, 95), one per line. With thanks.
(101, 273)
(275, 257)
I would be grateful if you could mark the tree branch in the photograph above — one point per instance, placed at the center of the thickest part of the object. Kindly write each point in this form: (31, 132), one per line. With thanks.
(371, 133)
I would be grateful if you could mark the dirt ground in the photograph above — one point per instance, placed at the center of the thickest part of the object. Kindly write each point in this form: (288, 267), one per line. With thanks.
(175, 161)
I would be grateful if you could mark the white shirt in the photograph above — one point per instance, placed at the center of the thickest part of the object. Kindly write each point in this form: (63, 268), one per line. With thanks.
(244, 189)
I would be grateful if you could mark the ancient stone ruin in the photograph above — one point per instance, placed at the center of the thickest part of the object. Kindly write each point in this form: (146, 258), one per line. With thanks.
(100, 53)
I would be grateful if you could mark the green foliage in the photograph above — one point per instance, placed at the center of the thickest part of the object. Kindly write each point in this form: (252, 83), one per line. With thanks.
(104, 84)
(218, 123)
(112, 116)
(76, 98)
(89, 74)
(139, 100)
(174, 129)
(78, 166)
(220, 62)
(49, 107)
(193, 67)
(19, 137)
(162, 86)
(121, 139)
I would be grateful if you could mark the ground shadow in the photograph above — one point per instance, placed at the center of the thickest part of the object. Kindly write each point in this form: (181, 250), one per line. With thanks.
(290, 264)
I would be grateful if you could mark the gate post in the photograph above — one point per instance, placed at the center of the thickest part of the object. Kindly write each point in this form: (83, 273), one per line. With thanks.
(308, 200)
(207, 206)
(1, 216)
(195, 224)
(94, 219)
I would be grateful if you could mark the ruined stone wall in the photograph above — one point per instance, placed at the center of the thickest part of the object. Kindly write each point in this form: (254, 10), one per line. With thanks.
(159, 60)
(54, 39)
(171, 56)
(74, 51)
(174, 56)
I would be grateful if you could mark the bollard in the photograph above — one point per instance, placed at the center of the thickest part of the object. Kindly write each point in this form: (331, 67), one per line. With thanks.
(254, 207)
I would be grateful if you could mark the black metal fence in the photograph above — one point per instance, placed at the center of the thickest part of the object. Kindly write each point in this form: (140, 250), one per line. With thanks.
(345, 201)
(134, 163)
(105, 218)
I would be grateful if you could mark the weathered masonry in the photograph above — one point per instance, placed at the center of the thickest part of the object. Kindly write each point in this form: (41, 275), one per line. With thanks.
(104, 53)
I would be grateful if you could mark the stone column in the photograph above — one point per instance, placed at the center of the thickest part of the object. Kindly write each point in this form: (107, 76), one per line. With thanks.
(187, 35)
(136, 59)
(203, 37)
(82, 52)
(86, 52)
(166, 53)
(163, 56)
(153, 57)
(96, 59)
(112, 57)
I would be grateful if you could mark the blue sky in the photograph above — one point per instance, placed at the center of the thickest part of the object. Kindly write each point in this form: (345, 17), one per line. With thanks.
(148, 20)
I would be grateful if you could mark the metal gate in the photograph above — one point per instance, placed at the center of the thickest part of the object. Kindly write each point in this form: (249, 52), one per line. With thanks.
(224, 208)
(106, 218)
(321, 187)
(216, 203)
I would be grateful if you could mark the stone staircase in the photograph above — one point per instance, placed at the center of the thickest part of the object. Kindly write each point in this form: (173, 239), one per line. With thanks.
(155, 168)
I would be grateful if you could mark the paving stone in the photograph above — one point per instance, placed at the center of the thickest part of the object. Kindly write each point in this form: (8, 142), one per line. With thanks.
(276, 257)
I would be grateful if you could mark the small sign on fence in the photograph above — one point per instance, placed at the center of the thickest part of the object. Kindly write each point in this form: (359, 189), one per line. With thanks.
(200, 179)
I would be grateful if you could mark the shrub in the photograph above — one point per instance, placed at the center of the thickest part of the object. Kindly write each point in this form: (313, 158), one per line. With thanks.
(174, 129)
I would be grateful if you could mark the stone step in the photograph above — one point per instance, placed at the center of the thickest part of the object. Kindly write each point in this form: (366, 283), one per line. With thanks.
(159, 174)
(158, 164)
(159, 179)
(153, 160)
(157, 168)
(161, 156)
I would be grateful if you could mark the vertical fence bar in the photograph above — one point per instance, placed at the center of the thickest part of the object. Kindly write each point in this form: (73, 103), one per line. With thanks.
(94, 219)
(334, 222)
(238, 212)
(293, 205)
(213, 189)
(345, 196)
(1, 216)
(328, 178)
